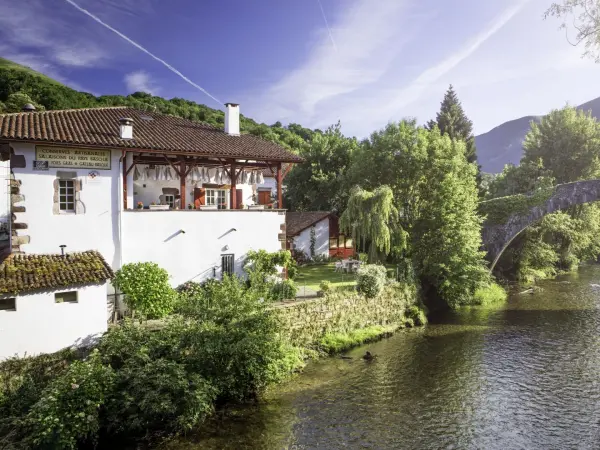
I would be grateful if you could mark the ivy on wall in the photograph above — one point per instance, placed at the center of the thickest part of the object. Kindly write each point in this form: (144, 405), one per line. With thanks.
(498, 210)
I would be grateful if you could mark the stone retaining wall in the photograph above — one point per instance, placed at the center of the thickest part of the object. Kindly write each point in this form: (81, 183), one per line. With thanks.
(306, 321)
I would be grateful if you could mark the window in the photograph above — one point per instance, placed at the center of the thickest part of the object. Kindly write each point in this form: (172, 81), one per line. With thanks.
(349, 242)
(227, 264)
(170, 200)
(333, 243)
(8, 304)
(217, 197)
(66, 192)
(65, 297)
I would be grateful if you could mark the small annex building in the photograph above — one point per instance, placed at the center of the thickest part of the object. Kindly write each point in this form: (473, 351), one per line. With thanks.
(303, 227)
(50, 302)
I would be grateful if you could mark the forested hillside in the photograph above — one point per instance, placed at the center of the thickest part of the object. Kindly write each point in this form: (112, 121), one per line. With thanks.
(19, 84)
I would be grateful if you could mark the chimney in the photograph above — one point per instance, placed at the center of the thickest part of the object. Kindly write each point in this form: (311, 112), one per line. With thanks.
(232, 119)
(28, 107)
(126, 128)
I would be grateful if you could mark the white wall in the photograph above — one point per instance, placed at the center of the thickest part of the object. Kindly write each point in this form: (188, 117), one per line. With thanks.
(302, 241)
(96, 229)
(155, 236)
(39, 325)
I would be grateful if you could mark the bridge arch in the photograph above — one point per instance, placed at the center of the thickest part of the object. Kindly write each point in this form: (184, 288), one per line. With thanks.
(507, 217)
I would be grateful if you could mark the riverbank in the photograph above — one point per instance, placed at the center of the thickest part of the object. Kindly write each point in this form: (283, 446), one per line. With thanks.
(522, 374)
(225, 345)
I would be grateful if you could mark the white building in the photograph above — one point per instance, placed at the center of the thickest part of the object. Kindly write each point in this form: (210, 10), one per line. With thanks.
(49, 302)
(122, 182)
(316, 234)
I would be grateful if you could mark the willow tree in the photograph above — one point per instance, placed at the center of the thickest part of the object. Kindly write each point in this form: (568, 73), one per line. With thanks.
(373, 221)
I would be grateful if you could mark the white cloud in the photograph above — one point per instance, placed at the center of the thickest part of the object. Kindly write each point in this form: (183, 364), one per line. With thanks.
(367, 42)
(140, 81)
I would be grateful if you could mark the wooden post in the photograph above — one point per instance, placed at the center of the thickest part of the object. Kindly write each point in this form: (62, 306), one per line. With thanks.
(124, 158)
(182, 174)
(279, 182)
(232, 192)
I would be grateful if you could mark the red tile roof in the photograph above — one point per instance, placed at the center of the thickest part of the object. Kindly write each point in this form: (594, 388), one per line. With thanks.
(25, 273)
(99, 127)
(296, 222)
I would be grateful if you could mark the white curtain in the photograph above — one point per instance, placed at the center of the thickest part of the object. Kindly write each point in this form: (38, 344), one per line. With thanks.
(139, 173)
(168, 174)
(160, 173)
(260, 178)
(151, 174)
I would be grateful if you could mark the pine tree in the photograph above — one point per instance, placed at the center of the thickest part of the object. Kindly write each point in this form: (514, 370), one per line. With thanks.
(452, 120)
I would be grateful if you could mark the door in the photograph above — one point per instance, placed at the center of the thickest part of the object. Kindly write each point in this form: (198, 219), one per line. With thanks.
(199, 197)
(238, 199)
(264, 197)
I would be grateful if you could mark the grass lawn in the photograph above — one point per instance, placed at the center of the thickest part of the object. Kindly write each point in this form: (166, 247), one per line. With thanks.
(311, 276)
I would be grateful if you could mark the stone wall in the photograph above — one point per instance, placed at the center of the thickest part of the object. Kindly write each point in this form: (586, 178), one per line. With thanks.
(306, 321)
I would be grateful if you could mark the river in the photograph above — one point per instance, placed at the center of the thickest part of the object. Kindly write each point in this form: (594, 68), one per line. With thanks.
(522, 376)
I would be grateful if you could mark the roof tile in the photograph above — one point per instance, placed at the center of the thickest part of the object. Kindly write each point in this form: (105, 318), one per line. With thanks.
(25, 273)
(99, 127)
(296, 222)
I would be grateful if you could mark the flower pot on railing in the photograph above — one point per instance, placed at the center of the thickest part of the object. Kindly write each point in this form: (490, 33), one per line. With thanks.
(256, 207)
(208, 207)
(159, 207)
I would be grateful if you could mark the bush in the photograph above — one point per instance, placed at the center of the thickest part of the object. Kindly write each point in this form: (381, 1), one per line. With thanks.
(146, 288)
(67, 412)
(416, 315)
(363, 258)
(371, 279)
(490, 294)
(284, 290)
(325, 286)
(158, 394)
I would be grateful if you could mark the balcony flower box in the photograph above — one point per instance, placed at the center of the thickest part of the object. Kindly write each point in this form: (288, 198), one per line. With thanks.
(256, 207)
(208, 207)
(159, 207)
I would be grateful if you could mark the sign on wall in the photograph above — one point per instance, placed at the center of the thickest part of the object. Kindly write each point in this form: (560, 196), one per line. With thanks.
(73, 157)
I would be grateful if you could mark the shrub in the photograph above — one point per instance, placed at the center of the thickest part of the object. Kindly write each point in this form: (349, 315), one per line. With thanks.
(416, 315)
(490, 294)
(67, 412)
(146, 288)
(284, 290)
(363, 258)
(371, 279)
(158, 394)
(325, 286)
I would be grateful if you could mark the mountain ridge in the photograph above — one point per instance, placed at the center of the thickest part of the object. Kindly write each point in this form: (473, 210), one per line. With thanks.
(504, 144)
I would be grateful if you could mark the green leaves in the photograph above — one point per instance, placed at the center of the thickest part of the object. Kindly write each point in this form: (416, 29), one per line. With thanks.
(146, 288)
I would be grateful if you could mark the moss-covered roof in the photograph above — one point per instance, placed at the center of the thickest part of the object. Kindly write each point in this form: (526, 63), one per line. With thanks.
(25, 273)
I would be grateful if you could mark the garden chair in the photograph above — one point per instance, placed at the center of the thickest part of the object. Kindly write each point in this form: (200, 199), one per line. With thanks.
(339, 266)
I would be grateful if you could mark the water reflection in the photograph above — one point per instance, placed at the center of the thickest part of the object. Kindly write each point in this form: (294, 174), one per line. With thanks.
(526, 375)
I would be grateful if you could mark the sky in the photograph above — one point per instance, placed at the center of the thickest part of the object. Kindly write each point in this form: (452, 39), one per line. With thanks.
(312, 62)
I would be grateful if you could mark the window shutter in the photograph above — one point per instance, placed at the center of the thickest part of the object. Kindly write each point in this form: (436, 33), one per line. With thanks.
(199, 197)
(238, 198)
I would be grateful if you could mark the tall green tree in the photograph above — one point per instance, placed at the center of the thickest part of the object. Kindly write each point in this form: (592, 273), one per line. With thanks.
(452, 120)
(434, 197)
(563, 147)
(316, 183)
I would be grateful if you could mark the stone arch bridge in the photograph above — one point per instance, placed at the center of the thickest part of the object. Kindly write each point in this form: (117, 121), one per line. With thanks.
(508, 216)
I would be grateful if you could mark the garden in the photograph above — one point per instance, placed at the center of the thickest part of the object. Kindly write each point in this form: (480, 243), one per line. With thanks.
(219, 342)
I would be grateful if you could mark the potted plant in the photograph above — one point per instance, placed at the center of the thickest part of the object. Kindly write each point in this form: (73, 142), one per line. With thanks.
(140, 205)
(190, 206)
(242, 206)
(156, 207)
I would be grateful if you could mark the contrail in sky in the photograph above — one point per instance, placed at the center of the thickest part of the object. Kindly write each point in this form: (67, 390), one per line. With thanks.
(326, 24)
(138, 46)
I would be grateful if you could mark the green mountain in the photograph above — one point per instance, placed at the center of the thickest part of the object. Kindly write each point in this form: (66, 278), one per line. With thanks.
(16, 80)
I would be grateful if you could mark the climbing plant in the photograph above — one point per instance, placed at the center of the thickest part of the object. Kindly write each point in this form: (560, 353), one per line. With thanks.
(313, 242)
